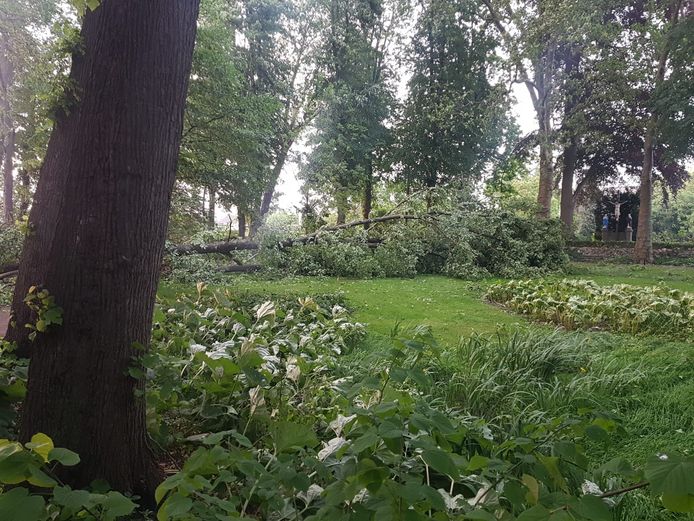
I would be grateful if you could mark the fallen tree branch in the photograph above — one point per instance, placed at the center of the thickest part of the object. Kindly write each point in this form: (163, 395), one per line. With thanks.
(215, 247)
(8, 275)
(229, 246)
(9, 267)
(385, 218)
(242, 268)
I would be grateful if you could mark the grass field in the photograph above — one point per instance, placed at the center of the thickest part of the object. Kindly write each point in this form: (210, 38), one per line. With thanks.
(657, 405)
(453, 308)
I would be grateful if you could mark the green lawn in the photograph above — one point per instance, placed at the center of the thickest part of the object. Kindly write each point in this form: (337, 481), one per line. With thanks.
(453, 308)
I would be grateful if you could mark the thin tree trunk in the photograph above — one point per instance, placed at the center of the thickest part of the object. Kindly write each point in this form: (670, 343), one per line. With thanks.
(211, 209)
(367, 203)
(269, 192)
(8, 180)
(341, 204)
(567, 186)
(643, 249)
(572, 60)
(544, 193)
(99, 223)
(24, 196)
(8, 131)
(242, 224)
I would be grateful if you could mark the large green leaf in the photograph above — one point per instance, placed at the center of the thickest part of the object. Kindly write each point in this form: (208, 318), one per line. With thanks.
(672, 478)
(441, 462)
(289, 435)
(17, 505)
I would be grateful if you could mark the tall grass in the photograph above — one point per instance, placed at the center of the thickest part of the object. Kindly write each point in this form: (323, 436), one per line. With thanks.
(525, 375)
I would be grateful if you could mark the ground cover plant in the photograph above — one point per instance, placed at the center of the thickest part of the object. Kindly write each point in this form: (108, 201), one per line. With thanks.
(575, 304)
(271, 411)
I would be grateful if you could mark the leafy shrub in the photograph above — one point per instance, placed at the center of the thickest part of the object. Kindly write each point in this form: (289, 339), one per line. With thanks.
(343, 254)
(469, 245)
(272, 426)
(583, 304)
(32, 465)
(211, 355)
(11, 240)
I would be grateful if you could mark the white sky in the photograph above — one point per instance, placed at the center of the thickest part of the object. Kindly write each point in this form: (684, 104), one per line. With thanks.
(288, 189)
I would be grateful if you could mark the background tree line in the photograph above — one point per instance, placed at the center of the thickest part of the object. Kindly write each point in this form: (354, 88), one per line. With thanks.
(377, 99)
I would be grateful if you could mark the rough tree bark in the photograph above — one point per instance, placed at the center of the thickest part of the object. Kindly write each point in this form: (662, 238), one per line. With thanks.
(99, 222)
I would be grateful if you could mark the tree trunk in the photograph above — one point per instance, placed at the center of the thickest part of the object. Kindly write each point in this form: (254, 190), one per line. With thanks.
(8, 131)
(99, 223)
(643, 249)
(567, 186)
(269, 193)
(341, 204)
(368, 193)
(211, 209)
(572, 60)
(8, 180)
(544, 194)
(242, 224)
(25, 193)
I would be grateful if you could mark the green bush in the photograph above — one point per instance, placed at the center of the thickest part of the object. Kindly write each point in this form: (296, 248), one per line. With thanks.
(11, 240)
(583, 304)
(470, 245)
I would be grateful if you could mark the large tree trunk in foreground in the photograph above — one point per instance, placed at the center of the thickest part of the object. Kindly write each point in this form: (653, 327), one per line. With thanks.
(643, 249)
(99, 222)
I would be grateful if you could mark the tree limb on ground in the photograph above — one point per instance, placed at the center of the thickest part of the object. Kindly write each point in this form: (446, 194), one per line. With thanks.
(230, 246)
(8, 274)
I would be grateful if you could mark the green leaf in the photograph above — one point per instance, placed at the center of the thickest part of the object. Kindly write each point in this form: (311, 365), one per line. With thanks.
(366, 440)
(478, 462)
(593, 508)
(533, 488)
(174, 507)
(289, 435)
(17, 504)
(117, 505)
(536, 513)
(672, 478)
(40, 444)
(65, 457)
(441, 462)
(74, 500)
